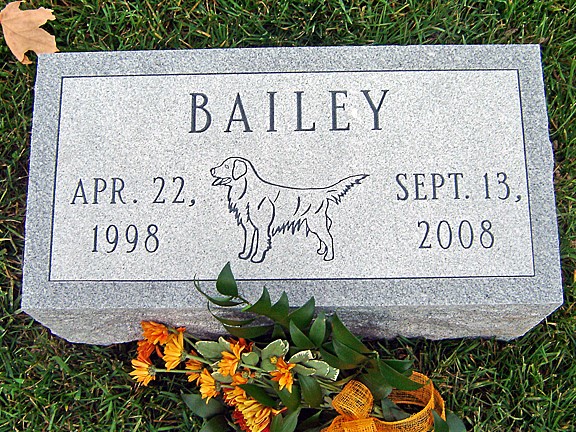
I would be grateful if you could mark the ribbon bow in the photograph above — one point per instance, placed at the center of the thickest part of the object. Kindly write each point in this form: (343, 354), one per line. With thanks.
(354, 404)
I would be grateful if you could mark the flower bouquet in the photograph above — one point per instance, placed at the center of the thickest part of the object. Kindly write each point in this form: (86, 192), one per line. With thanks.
(285, 370)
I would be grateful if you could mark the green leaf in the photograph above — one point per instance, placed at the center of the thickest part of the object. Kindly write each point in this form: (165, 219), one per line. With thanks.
(291, 400)
(215, 424)
(262, 306)
(311, 391)
(280, 423)
(310, 422)
(299, 338)
(200, 408)
(233, 322)
(280, 309)
(334, 361)
(223, 301)
(224, 344)
(396, 379)
(304, 314)
(303, 370)
(210, 349)
(220, 301)
(278, 348)
(291, 421)
(301, 357)
(323, 369)
(278, 332)
(347, 354)
(402, 366)
(454, 422)
(228, 321)
(341, 333)
(318, 330)
(251, 358)
(197, 286)
(259, 394)
(391, 411)
(225, 379)
(248, 332)
(226, 284)
(267, 365)
(376, 383)
(277, 423)
(439, 424)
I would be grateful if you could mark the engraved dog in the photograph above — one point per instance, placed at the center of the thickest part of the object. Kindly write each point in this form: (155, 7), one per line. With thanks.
(264, 209)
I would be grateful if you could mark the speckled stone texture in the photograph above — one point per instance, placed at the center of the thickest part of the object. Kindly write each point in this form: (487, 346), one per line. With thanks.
(408, 188)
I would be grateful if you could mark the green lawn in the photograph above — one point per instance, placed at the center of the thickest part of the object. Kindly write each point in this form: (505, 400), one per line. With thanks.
(49, 384)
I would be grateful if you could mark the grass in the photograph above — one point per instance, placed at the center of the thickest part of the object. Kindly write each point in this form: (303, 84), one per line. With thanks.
(49, 384)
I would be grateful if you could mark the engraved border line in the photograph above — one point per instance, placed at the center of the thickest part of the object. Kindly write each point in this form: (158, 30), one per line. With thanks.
(55, 177)
(526, 170)
(282, 73)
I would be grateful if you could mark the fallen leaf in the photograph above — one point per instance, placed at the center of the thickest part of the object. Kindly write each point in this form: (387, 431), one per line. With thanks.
(23, 33)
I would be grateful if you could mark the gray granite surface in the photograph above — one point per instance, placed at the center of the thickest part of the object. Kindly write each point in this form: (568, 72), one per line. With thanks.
(408, 188)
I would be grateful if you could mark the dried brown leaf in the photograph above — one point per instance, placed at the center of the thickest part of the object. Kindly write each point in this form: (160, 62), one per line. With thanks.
(23, 33)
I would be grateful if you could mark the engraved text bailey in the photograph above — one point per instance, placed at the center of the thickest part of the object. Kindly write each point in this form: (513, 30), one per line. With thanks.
(239, 118)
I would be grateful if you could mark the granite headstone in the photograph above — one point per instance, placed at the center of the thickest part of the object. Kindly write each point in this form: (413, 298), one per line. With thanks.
(409, 188)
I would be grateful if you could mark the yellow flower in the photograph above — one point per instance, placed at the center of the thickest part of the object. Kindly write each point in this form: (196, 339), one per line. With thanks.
(282, 374)
(195, 366)
(155, 333)
(143, 372)
(207, 385)
(231, 360)
(252, 416)
(174, 352)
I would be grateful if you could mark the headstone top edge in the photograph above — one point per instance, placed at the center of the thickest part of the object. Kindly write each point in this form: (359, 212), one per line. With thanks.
(298, 48)
(62, 61)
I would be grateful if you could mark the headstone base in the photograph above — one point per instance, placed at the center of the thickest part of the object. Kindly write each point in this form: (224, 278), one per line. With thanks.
(504, 322)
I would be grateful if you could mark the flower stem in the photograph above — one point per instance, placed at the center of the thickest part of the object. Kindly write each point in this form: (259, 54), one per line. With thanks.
(377, 412)
(187, 339)
(256, 368)
(200, 359)
(329, 386)
(239, 297)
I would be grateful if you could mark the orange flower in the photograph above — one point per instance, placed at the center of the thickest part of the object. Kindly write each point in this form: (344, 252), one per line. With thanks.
(145, 349)
(143, 372)
(195, 366)
(231, 360)
(155, 333)
(235, 395)
(207, 385)
(242, 342)
(239, 420)
(282, 374)
(252, 416)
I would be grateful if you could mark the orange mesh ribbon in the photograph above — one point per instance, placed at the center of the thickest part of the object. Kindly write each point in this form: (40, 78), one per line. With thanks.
(354, 404)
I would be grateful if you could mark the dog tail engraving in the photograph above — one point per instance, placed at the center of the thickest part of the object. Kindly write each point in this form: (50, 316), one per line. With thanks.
(336, 192)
